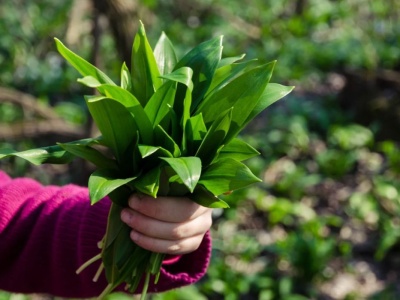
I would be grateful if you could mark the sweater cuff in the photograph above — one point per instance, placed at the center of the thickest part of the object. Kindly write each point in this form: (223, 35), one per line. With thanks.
(185, 269)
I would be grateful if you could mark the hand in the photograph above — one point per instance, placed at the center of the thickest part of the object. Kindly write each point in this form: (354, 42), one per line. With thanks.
(170, 225)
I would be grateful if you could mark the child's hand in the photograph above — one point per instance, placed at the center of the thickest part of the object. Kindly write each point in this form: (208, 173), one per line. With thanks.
(170, 225)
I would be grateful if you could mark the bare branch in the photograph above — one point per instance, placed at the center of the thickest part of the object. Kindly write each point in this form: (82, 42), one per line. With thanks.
(45, 122)
(27, 102)
(35, 129)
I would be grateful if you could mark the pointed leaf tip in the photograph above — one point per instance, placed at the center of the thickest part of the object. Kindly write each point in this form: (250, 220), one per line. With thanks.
(187, 168)
(141, 30)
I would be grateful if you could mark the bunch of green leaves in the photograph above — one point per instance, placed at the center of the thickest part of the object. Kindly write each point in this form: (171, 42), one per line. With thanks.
(169, 128)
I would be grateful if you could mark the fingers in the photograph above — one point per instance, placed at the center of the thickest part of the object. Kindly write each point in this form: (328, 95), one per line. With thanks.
(168, 209)
(166, 230)
(171, 225)
(176, 247)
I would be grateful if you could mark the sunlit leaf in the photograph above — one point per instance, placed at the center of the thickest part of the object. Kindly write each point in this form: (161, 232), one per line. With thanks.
(163, 139)
(272, 93)
(203, 60)
(238, 150)
(242, 94)
(147, 151)
(214, 137)
(102, 182)
(81, 65)
(227, 175)
(230, 60)
(90, 154)
(148, 183)
(205, 198)
(47, 155)
(182, 75)
(144, 70)
(159, 104)
(113, 120)
(187, 168)
(126, 80)
(165, 55)
(225, 74)
(195, 132)
(133, 106)
(51, 154)
(89, 81)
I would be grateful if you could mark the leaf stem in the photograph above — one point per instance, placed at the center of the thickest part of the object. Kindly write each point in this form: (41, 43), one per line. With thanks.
(88, 263)
(106, 291)
(145, 286)
(99, 270)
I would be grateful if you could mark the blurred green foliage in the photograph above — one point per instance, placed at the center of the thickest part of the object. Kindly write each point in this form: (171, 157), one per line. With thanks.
(329, 201)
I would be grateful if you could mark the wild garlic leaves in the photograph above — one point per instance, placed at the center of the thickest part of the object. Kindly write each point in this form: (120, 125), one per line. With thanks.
(169, 127)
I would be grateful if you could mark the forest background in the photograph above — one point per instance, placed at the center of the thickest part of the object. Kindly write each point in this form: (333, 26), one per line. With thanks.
(325, 221)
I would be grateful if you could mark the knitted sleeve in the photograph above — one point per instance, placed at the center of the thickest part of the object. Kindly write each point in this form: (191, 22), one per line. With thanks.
(47, 232)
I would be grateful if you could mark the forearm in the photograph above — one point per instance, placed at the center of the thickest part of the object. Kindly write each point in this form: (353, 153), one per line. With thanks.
(46, 233)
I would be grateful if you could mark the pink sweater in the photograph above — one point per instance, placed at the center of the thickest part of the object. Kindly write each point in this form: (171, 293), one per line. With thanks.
(46, 233)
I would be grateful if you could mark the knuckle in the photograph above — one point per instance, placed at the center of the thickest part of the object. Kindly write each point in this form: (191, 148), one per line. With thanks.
(137, 222)
(174, 249)
(209, 221)
(177, 233)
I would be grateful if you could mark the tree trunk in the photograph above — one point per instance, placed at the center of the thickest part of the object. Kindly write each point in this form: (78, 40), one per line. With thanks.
(122, 18)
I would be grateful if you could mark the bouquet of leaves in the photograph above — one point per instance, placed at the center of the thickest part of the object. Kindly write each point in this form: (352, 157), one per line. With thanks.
(169, 128)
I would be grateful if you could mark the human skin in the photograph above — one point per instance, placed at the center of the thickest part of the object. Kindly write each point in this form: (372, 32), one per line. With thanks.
(170, 225)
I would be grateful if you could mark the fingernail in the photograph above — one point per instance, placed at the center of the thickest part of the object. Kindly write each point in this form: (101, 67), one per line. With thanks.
(125, 216)
(134, 236)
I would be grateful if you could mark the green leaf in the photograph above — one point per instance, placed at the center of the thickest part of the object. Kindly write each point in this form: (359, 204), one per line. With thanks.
(163, 139)
(118, 248)
(81, 65)
(114, 229)
(207, 199)
(118, 94)
(185, 117)
(230, 60)
(149, 182)
(126, 80)
(102, 182)
(128, 100)
(89, 81)
(144, 71)
(47, 155)
(272, 93)
(195, 133)
(89, 154)
(159, 104)
(215, 137)
(227, 175)
(187, 168)
(51, 154)
(171, 123)
(237, 150)
(164, 54)
(146, 151)
(115, 122)
(203, 60)
(182, 75)
(132, 160)
(224, 75)
(242, 93)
